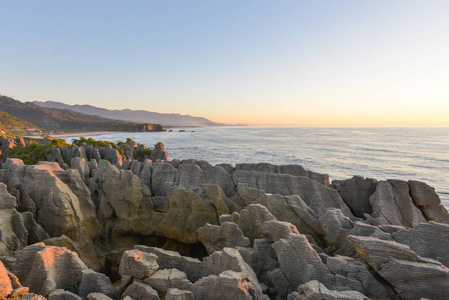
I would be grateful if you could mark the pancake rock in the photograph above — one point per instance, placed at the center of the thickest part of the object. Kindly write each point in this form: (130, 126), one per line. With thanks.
(102, 223)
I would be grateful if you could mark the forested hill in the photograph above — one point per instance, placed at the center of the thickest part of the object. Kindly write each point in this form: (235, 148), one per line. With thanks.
(53, 119)
(10, 122)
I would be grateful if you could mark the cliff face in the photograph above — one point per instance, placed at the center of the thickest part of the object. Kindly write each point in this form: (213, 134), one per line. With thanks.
(262, 231)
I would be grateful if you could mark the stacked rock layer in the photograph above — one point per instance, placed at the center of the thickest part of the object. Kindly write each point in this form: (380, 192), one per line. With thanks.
(128, 229)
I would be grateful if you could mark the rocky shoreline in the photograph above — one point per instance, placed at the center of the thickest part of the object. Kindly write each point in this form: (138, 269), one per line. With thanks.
(94, 223)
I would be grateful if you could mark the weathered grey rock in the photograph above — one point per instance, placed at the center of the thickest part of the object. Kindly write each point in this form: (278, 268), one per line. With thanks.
(193, 267)
(96, 155)
(159, 152)
(98, 296)
(229, 259)
(13, 234)
(138, 264)
(215, 238)
(163, 178)
(8, 262)
(313, 290)
(140, 290)
(136, 168)
(279, 230)
(227, 285)
(228, 167)
(78, 151)
(412, 276)
(35, 231)
(61, 294)
(425, 198)
(346, 248)
(56, 156)
(190, 176)
(6, 200)
(294, 170)
(188, 212)
(222, 203)
(59, 200)
(281, 283)
(251, 220)
(356, 193)
(300, 263)
(25, 259)
(90, 281)
(52, 268)
(316, 195)
(124, 192)
(392, 204)
(112, 155)
(266, 259)
(350, 274)
(146, 172)
(92, 164)
(249, 194)
(164, 279)
(176, 294)
(80, 164)
(336, 225)
(286, 208)
(125, 165)
(427, 240)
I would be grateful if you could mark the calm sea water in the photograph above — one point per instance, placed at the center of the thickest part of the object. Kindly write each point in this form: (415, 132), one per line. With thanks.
(418, 153)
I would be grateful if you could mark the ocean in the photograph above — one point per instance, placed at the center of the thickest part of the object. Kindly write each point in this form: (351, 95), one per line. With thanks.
(407, 153)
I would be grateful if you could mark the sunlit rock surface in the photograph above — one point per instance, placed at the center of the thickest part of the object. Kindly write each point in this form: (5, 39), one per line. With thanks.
(103, 225)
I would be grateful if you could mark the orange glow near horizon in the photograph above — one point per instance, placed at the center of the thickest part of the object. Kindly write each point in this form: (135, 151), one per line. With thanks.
(338, 118)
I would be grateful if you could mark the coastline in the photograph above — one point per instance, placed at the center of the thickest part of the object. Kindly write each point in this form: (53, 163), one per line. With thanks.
(93, 133)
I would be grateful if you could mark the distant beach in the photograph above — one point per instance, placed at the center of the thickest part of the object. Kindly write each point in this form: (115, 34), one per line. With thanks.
(70, 135)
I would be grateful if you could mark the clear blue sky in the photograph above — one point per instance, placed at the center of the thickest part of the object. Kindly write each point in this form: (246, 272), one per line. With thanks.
(260, 62)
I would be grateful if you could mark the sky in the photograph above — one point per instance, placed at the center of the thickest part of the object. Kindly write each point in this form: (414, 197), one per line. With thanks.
(289, 63)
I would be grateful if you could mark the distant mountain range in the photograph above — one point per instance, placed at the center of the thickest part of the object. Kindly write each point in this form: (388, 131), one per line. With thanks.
(166, 120)
(53, 119)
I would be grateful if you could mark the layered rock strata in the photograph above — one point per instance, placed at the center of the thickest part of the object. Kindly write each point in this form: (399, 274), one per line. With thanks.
(122, 229)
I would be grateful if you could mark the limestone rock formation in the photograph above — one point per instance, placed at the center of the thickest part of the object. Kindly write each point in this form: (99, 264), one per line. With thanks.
(412, 276)
(425, 198)
(356, 193)
(11, 288)
(314, 290)
(228, 234)
(392, 204)
(165, 279)
(138, 264)
(61, 294)
(140, 290)
(257, 231)
(427, 240)
(159, 153)
(176, 294)
(13, 234)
